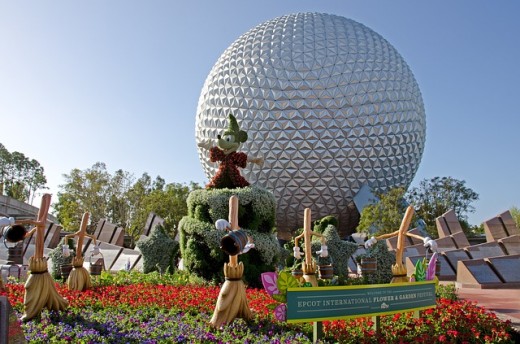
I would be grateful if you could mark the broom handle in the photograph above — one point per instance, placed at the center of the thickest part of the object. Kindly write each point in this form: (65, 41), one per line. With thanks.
(233, 220)
(307, 234)
(407, 219)
(81, 235)
(40, 226)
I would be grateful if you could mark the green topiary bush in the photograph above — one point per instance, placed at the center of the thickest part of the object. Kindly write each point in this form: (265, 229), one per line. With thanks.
(322, 224)
(159, 251)
(340, 251)
(200, 240)
(385, 259)
(57, 258)
(257, 207)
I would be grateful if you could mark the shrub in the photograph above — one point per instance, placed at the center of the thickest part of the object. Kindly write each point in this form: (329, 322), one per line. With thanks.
(322, 224)
(446, 291)
(340, 251)
(385, 259)
(159, 251)
(200, 240)
(57, 258)
(256, 208)
(122, 278)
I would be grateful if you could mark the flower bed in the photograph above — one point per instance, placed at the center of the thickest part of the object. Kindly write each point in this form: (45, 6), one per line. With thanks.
(156, 313)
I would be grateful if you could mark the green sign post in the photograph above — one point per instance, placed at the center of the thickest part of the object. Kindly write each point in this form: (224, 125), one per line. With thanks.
(331, 303)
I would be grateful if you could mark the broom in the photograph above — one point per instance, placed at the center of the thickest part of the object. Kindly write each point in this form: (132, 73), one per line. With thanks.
(79, 278)
(232, 299)
(40, 290)
(398, 269)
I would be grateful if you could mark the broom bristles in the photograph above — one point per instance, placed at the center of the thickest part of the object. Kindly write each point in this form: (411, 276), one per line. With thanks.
(399, 273)
(40, 291)
(232, 299)
(79, 278)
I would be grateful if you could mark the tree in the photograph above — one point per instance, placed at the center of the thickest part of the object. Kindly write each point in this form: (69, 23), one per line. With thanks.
(15, 182)
(168, 202)
(83, 191)
(437, 195)
(385, 215)
(4, 161)
(515, 213)
(119, 208)
(35, 179)
(20, 177)
(120, 199)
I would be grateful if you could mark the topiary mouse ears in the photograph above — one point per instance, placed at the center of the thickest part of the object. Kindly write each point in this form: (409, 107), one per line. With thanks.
(233, 129)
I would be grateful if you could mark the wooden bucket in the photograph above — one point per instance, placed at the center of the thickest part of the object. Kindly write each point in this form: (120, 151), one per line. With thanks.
(96, 267)
(234, 242)
(14, 255)
(325, 271)
(65, 271)
(14, 233)
(297, 273)
(368, 266)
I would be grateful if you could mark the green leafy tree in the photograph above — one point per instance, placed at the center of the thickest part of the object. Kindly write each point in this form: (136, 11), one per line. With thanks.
(119, 208)
(135, 197)
(433, 197)
(83, 191)
(167, 201)
(35, 179)
(515, 213)
(4, 160)
(120, 199)
(20, 176)
(15, 182)
(384, 215)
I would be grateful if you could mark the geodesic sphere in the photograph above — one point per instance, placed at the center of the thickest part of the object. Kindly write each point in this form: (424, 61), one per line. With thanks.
(327, 102)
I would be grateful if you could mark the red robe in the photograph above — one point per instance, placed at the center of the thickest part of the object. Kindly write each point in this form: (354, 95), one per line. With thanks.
(228, 175)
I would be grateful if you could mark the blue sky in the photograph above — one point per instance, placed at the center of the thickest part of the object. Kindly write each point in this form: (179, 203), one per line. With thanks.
(118, 82)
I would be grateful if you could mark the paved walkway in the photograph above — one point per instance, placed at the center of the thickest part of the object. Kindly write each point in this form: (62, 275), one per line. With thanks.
(504, 302)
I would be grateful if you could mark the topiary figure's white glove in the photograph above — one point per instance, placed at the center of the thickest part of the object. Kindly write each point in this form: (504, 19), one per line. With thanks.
(65, 250)
(431, 244)
(248, 246)
(205, 144)
(370, 242)
(296, 252)
(222, 225)
(6, 221)
(324, 252)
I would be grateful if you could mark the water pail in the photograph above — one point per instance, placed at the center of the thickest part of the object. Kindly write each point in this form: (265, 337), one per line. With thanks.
(234, 242)
(15, 255)
(325, 271)
(96, 266)
(14, 233)
(368, 266)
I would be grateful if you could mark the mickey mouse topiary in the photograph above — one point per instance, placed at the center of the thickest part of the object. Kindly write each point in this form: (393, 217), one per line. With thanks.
(200, 240)
(228, 175)
(321, 224)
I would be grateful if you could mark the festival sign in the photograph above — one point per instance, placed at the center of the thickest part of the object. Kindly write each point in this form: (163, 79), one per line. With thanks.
(331, 303)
